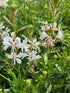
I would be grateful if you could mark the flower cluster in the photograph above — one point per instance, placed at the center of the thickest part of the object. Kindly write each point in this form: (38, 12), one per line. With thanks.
(19, 48)
(50, 39)
(3, 3)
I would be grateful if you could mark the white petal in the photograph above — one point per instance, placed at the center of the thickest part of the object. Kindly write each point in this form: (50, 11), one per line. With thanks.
(13, 48)
(17, 40)
(19, 45)
(6, 44)
(60, 35)
(43, 35)
(34, 52)
(26, 49)
(7, 30)
(27, 45)
(20, 55)
(25, 41)
(34, 40)
(38, 57)
(14, 61)
(37, 43)
(24, 55)
(43, 28)
(18, 61)
(3, 27)
(10, 57)
(5, 33)
(5, 48)
(55, 24)
(6, 1)
(1, 24)
(12, 34)
(9, 39)
(46, 22)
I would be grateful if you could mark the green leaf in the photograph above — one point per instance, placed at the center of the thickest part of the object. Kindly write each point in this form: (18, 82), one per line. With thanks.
(49, 89)
(59, 54)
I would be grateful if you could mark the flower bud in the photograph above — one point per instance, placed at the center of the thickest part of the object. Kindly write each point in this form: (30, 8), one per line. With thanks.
(6, 54)
(45, 6)
(30, 26)
(55, 56)
(0, 90)
(68, 58)
(13, 6)
(28, 63)
(26, 8)
(41, 77)
(44, 73)
(28, 82)
(66, 35)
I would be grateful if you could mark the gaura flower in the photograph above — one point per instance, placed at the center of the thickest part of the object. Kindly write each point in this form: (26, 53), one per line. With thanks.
(54, 25)
(5, 33)
(50, 41)
(17, 58)
(10, 42)
(33, 56)
(60, 34)
(55, 28)
(35, 42)
(3, 3)
(43, 28)
(23, 46)
(43, 35)
(1, 26)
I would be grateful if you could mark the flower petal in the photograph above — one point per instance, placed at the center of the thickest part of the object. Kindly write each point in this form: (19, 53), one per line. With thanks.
(10, 57)
(18, 61)
(17, 40)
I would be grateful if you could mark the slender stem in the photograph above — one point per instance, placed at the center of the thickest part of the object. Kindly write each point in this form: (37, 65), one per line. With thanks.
(5, 78)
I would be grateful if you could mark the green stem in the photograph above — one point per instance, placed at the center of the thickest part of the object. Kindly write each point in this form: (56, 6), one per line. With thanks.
(5, 78)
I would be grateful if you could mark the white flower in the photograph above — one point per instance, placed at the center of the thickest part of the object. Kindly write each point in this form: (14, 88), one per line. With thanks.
(43, 35)
(15, 58)
(5, 33)
(46, 22)
(35, 42)
(1, 26)
(50, 25)
(43, 28)
(17, 40)
(33, 56)
(60, 34)
(49, 41)
(9, 42)
(7, 29)
(24, 45)
(13, 34)
(3, 3)
(55, 24)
